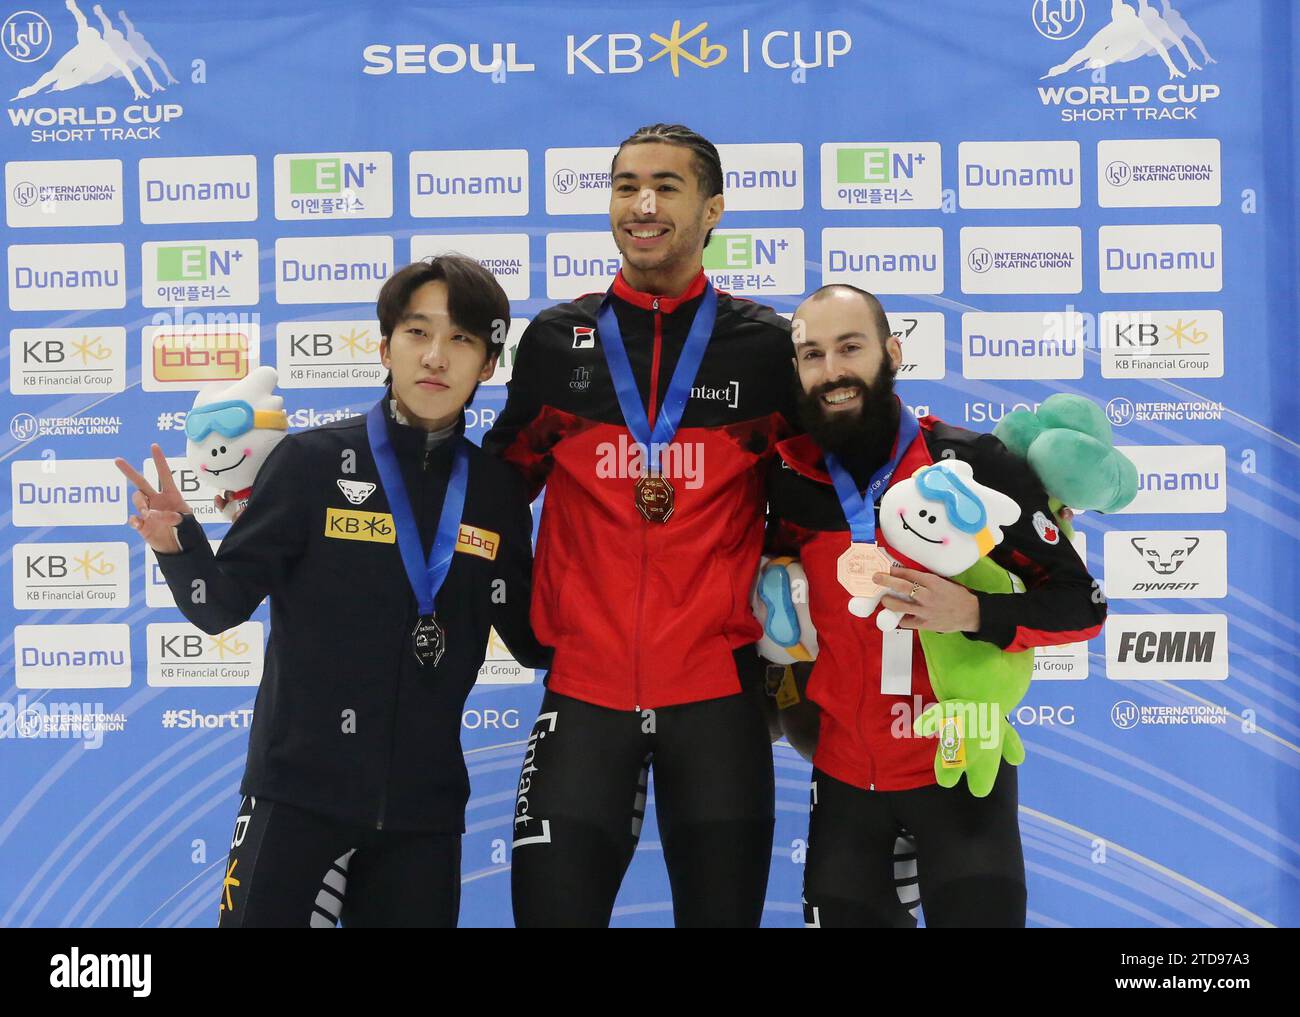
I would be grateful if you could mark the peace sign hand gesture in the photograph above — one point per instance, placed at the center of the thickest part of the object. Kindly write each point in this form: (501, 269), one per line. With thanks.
(159, 510)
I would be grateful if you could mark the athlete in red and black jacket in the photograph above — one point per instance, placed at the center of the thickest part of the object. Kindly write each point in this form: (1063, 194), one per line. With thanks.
(649, 616)
(872, 778)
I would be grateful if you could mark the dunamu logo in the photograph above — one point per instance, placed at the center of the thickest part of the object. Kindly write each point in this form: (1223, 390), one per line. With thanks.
(1117, 259)
(1155, 480)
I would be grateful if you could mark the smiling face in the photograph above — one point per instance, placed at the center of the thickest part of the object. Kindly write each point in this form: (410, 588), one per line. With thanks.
(925, 528)
(436, 364)
(230, 462)
(845, 362)
(659, 214)
(919, 529)
(840, 351)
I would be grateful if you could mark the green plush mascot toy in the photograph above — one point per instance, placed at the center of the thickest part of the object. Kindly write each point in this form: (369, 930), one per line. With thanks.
(1068, 444)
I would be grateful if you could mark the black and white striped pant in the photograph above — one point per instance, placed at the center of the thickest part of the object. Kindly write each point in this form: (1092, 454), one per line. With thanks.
(870, 852)
(289, 868)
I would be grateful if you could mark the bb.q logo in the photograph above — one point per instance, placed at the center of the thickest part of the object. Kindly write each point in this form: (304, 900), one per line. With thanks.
(1057, 19)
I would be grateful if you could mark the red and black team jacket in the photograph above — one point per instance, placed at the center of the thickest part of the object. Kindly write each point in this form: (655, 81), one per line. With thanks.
(644, 614)
(859, 741)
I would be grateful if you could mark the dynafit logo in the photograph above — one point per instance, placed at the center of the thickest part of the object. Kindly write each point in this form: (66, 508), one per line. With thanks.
(101, 52)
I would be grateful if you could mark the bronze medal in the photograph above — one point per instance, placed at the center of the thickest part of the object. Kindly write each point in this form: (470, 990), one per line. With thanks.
(654, 498)
(857, 565)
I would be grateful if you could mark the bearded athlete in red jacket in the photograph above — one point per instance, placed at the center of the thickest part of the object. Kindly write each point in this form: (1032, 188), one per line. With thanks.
(872, 781)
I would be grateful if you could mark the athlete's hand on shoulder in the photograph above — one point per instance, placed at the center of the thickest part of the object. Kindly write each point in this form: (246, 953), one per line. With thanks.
(938, 604)
(159, 510)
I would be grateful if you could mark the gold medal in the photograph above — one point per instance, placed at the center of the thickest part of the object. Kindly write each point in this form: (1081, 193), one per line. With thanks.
(857, 565)
(654, 498)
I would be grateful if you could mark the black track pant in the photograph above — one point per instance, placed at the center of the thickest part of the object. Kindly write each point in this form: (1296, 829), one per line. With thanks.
(289, 868)
(582, 796)
(968, 856)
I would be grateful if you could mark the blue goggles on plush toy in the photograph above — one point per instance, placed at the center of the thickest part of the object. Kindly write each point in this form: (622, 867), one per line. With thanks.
(965, 511)
(230, 419)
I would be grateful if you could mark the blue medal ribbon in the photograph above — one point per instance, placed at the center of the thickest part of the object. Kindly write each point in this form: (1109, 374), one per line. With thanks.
(860, 510)
(679, 387)
(426, 577)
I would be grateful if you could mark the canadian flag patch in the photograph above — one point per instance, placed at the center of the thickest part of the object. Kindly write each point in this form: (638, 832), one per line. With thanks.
(356, 491)
(1047, 530)
(584, 337)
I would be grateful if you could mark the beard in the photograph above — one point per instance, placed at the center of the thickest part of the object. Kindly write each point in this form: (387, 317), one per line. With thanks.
(863, 437)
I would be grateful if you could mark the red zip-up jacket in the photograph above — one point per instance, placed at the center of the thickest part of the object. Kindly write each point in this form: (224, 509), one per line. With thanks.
(859, 740)
(644, 614)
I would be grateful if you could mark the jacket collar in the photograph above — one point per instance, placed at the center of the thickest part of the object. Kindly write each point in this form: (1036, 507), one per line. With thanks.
(624, 291)
(805, 456)
(411, 442)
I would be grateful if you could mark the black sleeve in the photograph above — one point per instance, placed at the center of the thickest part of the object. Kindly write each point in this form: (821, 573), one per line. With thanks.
(217, 592)
(777, 540)
(1062, 603)
(513, 596)
(508, 438)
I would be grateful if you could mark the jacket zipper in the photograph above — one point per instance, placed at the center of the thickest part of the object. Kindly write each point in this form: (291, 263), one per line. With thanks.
(640, 590)
(392, 740)
(397, 691)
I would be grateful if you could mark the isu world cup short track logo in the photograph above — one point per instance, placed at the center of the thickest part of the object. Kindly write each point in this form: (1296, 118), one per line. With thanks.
(1124, 715)
(1057, 19)
(25, 36)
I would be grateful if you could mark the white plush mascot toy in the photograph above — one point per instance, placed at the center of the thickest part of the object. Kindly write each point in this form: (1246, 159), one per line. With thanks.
(780, 603)
(230, 431)
(941, 519)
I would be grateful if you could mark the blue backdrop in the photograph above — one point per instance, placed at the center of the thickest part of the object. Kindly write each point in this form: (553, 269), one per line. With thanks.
(1049, 196)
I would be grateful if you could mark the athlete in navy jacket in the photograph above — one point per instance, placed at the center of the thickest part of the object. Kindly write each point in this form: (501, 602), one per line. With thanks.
(355, 786)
